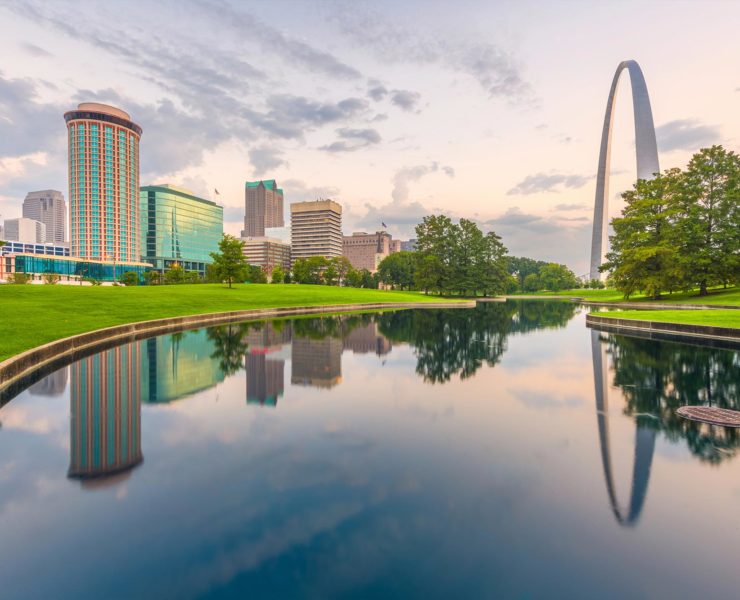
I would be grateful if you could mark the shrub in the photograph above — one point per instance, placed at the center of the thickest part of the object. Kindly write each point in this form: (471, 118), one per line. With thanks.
(51, 278)
(19, 278)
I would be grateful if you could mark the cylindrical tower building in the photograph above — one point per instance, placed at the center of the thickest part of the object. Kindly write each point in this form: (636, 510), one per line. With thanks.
(103, 183)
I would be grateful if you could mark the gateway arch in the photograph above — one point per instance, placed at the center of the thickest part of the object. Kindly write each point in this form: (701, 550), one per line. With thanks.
(647, 155)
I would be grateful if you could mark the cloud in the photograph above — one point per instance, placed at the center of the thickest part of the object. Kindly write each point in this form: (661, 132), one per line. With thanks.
(296, 53)
(544, 182)
(265, 158)
(403, 177)
(290, 115)
(376, 90)
(545, 237)
(297, 190)
(405, 99)
(353, 139)
(572, 206)
(34, 50)
(402, 218)
(686, 134)
(495, 70)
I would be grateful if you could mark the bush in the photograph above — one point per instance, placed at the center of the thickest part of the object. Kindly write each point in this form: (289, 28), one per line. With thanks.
(51, 278)
(129, 278)
(19, 278)
(91, 280)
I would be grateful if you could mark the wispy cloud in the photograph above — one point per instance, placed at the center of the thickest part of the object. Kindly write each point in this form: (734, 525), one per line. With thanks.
(353, 139)
(686, 134)
(548, 182)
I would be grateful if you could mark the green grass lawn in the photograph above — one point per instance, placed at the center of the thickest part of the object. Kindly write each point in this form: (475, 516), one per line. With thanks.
(31, 315)
(717, 318)
(729, 296)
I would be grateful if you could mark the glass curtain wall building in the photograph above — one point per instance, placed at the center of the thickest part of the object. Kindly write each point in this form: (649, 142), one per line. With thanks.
(103, 183)
(179, 228)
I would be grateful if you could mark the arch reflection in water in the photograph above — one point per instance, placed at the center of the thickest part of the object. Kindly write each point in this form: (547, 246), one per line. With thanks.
(644, 441)
(105, 410)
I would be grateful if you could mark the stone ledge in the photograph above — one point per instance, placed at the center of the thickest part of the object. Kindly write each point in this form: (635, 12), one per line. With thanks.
(50, 356)
(660, 330)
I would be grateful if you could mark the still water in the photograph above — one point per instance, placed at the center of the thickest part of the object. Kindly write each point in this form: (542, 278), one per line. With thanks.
(502, 451)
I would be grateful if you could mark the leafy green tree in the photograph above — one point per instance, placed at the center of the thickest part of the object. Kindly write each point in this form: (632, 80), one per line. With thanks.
(491, 272)
(129, 278)
(331, 277)
(709, 219)
(370, 280)
(19, 278)
(152, 277)
(555, 277)
(427, 274)
(255, 274)
(342, 267)
(521, 266)
(437, 236)
(397, 269)
(532, 283)
(288, 277)
(229, 263)
(596, 284)
(278, 275)
(643, 253)
(174, 275)
(353, 278)
(310, 270)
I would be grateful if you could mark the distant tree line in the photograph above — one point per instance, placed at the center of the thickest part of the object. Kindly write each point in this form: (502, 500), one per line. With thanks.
(681, 229)
(530, 275)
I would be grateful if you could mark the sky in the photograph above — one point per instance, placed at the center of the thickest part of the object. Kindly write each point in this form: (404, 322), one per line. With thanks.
(485, 110)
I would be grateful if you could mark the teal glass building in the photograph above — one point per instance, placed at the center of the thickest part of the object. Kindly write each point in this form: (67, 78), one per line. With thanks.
(178, 228)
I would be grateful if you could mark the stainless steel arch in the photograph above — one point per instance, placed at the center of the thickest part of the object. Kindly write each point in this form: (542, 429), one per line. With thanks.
(647, 155)
(644, 443)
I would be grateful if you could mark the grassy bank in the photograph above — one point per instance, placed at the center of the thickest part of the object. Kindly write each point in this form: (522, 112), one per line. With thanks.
(31, 315)
(717, 318)
(729, 296)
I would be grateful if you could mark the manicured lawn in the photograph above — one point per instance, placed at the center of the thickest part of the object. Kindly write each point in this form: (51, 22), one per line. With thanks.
(31, 315)
(730, 296)
(717, 318)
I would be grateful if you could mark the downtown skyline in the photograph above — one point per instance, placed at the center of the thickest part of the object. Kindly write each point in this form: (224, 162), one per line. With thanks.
(498, 119)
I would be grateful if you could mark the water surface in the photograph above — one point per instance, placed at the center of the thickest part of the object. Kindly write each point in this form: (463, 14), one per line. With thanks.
(502, 451)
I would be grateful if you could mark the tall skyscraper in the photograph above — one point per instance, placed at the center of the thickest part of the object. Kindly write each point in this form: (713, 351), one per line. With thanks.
(26, 231)
(103, 183)
(316, 229)
(178, 227)
(263, 207)
(48, 207)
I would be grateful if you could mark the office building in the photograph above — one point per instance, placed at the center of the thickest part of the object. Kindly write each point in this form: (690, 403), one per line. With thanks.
(105, 414)
(367, 339)
(366, 250)
(103, 183)
(178, 227)
(48, 207)
(267, 253)
(265, 361)
(409, 246)
(316, 229)
(316, 362)
(51, 385)
(24, 230)
(44, 249)
(263, 207)
(69, 269)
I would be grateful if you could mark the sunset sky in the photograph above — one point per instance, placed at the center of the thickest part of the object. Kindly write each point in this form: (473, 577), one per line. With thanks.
(485, 110)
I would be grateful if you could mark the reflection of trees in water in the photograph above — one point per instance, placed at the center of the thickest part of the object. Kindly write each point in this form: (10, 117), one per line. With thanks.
(657, 377)
(448, 342)
(229, 346)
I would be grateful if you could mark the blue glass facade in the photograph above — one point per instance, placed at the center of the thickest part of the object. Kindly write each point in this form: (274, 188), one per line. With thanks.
(68, 268)
(178, 228)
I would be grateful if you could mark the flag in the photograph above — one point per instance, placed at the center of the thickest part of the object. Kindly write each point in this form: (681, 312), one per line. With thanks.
(384, 225)
(215, 190)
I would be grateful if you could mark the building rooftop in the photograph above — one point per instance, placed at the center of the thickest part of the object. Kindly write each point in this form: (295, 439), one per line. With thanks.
(168, 187)
(104, 108)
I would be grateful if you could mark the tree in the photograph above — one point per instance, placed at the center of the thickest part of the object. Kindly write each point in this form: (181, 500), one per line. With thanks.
(129, 278)
(229, 263)
(708, 229)
(555, 277)
(342, 267)
(19, 278)
(278, 275)
(255, 274)
(643, 253)
(288, 277)
(397, 269)
(521, 266)
(532, 283)
(491, 268)
(175, 274)
(428, 273)
(51, 278)
(353, 278)
(310, 270)
(152, 277)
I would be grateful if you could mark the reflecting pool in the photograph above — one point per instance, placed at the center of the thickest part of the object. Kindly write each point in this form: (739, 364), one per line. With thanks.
(502, 451)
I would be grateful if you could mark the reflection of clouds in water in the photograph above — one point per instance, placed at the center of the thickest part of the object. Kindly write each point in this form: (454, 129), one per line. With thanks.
(545, 400)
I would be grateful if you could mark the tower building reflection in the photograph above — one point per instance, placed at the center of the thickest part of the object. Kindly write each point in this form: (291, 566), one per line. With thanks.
(644, 441)
(51, 385)
(317, 362)
(265, 368)
(105, 407)
(367, 339)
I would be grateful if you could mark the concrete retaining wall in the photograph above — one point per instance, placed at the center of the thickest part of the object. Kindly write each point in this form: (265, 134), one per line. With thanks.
(15, 371)
(664, 330)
